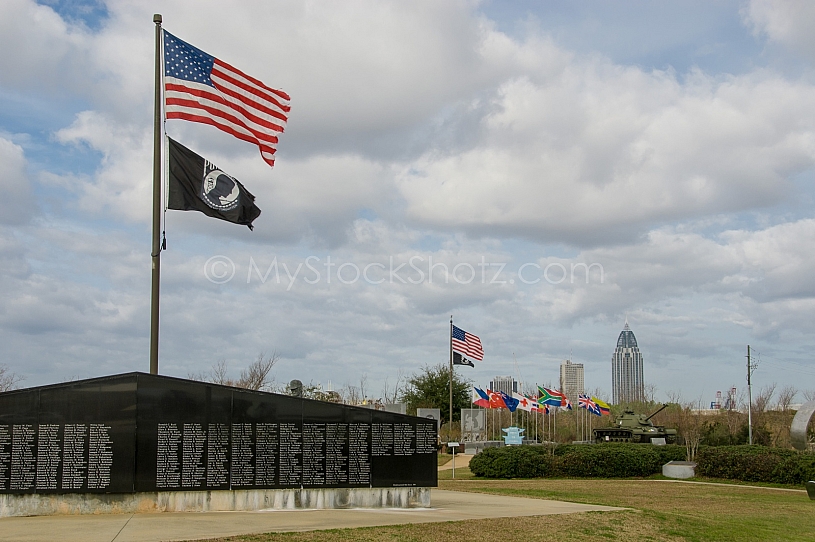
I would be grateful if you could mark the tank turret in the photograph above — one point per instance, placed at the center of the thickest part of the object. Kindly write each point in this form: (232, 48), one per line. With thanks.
(631, 427)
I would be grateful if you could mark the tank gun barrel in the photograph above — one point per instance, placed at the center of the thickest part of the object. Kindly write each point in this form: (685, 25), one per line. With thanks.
(660, 409)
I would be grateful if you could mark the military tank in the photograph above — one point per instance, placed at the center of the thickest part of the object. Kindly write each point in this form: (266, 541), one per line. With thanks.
(630, 427)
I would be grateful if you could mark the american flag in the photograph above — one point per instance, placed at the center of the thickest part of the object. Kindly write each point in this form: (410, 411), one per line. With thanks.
(200, 88)
(467, 344)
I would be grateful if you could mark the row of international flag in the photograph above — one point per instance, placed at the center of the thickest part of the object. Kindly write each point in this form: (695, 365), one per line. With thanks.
(546, 400)
(465, 345)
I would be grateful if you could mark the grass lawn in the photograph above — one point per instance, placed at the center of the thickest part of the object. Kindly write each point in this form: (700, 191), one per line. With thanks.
(668, 510)
(660, 510)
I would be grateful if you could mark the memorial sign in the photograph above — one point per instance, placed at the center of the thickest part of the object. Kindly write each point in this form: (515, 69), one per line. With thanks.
(473, 424)
(138, 432)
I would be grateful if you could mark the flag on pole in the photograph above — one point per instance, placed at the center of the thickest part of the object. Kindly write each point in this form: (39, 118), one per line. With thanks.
(496, 399)
(524, 402)
(467, 344)
(536, 406)
(604, 407)
(196, 184)
(550, 397)
(201, 88)
(510, 402)
(584, 401)
(558, 394)
(480, 398)
(458, 359)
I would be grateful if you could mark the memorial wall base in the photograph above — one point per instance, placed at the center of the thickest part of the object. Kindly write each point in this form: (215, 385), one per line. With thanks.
(213, 501)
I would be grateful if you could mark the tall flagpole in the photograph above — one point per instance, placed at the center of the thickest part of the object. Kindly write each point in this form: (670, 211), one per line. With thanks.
(156, 250)
(450, 427)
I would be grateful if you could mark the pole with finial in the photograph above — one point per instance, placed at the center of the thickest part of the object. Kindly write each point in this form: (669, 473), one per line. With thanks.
(156, 250)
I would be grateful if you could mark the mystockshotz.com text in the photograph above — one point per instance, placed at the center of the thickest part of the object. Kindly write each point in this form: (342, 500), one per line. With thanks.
(414, 270)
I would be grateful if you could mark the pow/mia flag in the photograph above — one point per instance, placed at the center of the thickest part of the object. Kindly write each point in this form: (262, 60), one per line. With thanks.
(196, 184)
(458, 359)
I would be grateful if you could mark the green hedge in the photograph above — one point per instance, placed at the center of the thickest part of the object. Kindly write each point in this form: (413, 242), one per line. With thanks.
(621, 460)
(756, 464)
(613, 460)
(512, 462)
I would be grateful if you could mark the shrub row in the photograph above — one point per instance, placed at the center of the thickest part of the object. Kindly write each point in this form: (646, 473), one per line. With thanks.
(756, 464)
(599, 460)
(619, 460)
(513, 462)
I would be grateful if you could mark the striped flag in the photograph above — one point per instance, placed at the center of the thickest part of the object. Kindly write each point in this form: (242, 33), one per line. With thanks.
(604, 407)
(467, 344)
(201, 88)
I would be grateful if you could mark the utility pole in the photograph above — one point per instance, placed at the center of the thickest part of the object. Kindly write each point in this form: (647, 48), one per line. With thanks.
(749, 400)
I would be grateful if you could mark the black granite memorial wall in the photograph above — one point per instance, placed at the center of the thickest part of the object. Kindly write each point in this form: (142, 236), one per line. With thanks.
(137, 432)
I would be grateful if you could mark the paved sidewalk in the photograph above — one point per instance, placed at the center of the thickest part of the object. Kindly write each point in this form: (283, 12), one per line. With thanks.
(446, 506)
(462, 460)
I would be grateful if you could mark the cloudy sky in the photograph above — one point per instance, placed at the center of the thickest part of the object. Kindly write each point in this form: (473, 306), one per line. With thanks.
(667, 149)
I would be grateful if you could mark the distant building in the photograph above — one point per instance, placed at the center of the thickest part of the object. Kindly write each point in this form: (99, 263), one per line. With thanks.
(571, 379)
(506, 384)
(626, 369)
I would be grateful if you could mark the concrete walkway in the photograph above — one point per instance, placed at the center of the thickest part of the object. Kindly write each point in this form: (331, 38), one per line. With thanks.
(446, 506)
(462, 460)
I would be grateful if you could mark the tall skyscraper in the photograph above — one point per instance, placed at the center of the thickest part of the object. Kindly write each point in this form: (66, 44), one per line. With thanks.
(626, 369)
(571, 379)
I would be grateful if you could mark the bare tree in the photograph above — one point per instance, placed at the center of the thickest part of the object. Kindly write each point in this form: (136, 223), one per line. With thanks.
(391, 395)
(8, 379)
(809, 395)
(254, 377)
(350, 395)
(217, 374)
(734, 420)
(649, 393)
(363, 383)
(690, 426)
(786, 396)
(355, 395)
(761, 405)
(762, 401)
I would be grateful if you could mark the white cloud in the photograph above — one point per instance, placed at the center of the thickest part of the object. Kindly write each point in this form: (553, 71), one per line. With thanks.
(122, 186)
(417, 130)
(789, 22)
(40, 49)
(16, 200)
(602, 152)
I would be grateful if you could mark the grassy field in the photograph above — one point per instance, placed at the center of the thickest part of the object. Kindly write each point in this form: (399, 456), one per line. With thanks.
(660, 510)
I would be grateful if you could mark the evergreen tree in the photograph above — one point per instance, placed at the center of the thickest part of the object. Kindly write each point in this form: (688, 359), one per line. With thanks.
(430, 388)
